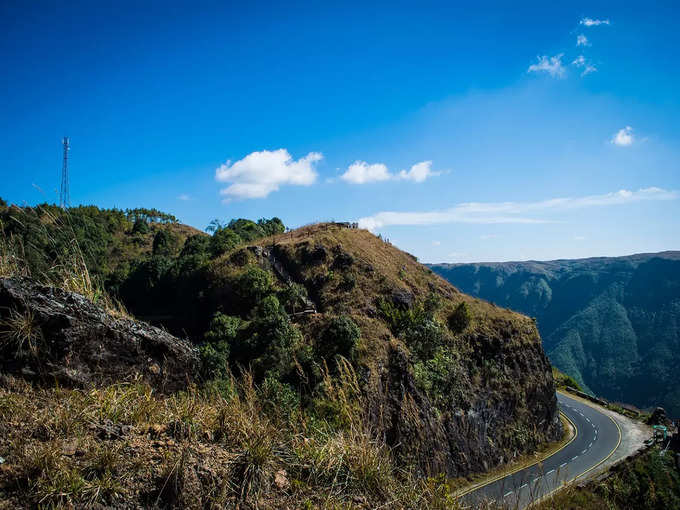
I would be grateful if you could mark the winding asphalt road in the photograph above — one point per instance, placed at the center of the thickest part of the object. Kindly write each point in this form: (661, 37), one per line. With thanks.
(597, 437)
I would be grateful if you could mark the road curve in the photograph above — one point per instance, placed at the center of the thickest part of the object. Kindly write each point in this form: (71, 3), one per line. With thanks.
(597, 437)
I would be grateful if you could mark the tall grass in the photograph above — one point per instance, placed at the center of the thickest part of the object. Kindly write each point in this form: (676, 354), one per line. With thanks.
(67, 269)
(199, 449)
(12, 259)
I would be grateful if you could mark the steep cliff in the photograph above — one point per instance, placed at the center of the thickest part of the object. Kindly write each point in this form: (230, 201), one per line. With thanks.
(458, 396)
(334, 371)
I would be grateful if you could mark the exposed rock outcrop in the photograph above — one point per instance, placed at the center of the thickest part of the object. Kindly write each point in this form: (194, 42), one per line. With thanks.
(490, 396)
(50, 334)
(479, 429)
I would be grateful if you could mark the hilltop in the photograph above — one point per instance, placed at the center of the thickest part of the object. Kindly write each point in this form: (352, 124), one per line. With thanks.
(465, 367)
(324, 338)
(611, 323)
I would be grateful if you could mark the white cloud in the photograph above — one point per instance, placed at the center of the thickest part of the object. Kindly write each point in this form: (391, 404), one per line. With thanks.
(418, 172)
(553, 66)
(582, 40)
(511, 212)
(582, 63)
(624, 137)
(579, 238)
(436, 243)
(260, 173)
(589, 22)
(361, 172)
(486, 237)
(589, 68)
(184, 197)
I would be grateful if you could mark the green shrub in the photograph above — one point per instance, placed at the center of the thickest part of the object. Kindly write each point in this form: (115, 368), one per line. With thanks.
(271, 227)
(271, 342)
(254, 285)
(460, 318)
(215, 352)
(570, 382)
(195, 245)
(432, 304)
(339, 338)
(215, 360)
(435, 376)
(424, 338)
(223, 328)
(400, 319)
(293, 297)
(279, 399)
(222, 241)
(349, 281)
(140, 227)
(165, 244)
(246, 229)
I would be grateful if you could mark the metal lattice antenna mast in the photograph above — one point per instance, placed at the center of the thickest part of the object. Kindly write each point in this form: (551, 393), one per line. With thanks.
(64, 196)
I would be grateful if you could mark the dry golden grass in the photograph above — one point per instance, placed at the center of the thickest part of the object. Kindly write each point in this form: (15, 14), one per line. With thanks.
(20, 331)
(207, 448)
(395, 269)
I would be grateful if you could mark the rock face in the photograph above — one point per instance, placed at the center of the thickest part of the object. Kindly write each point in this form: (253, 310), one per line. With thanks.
(482, 398)
(50, 334)
(486, 428)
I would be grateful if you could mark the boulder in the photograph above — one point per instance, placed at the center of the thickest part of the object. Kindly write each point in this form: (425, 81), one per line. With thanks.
(49, 334)
(402, 298)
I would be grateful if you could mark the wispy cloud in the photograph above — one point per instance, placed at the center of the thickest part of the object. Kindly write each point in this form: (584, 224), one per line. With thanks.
(582, 40)
(184, 197)
(361, 172)
(418, 172)
(624, 137)
(436, 243)
(582, 63)
(551, 65)
(512, 212)
(590, 22)
(260, 173)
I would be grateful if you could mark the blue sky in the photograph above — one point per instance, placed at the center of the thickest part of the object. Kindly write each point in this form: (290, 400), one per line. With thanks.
(485, 133)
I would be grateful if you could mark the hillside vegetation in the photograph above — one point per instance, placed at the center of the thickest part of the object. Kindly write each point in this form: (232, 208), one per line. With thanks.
(331, 343)
(613, 324)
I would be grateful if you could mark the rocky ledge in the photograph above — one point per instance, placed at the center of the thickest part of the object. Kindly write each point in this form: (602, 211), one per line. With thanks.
(48, 334)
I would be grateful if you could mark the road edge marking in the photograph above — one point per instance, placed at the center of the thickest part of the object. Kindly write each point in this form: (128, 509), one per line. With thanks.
(610, 453)
(500, 477)
(564, 484)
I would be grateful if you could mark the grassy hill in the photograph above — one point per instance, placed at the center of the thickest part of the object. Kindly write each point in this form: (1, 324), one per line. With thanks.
(611, 323)
(459, 364)
(452, 384)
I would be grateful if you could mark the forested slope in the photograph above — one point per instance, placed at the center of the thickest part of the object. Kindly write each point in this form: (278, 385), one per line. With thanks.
(611, 323)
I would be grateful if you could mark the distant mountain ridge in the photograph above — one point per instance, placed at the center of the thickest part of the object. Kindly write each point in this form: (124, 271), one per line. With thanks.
(613, 323)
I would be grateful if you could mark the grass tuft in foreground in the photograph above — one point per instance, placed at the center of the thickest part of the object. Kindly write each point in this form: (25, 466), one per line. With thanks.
(218, 446)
